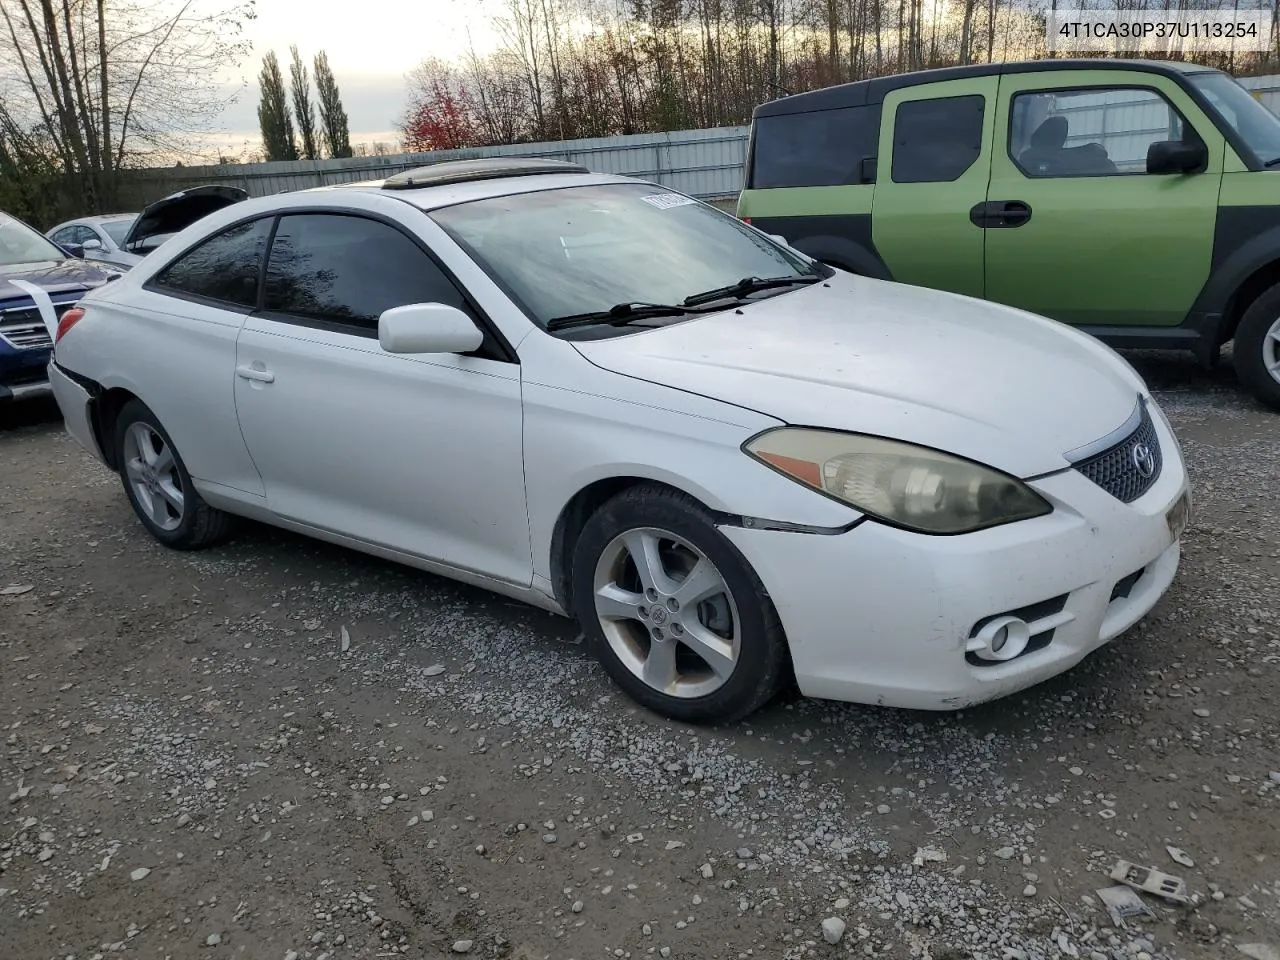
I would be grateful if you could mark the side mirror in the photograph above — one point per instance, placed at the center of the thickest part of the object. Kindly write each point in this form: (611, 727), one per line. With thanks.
(428, 328)
(1177, 156)
(89, 245)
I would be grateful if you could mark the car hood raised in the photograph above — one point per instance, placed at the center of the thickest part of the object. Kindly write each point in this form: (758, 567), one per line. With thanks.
(176, 212)
(977, 379)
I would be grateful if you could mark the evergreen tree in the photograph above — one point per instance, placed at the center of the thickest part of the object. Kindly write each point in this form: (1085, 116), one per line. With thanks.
(303, 111)
(273, 113)
(333, 118)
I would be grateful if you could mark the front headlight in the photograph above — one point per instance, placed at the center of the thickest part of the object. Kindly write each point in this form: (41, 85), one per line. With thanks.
(898, 483)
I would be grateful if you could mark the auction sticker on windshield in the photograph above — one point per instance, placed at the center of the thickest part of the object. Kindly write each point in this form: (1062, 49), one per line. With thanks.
(664, 201)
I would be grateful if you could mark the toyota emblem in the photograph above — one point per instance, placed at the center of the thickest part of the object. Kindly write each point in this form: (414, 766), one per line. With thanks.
(1144, 460)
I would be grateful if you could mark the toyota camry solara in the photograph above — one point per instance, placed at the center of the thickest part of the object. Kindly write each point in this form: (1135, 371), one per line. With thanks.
(732, 464)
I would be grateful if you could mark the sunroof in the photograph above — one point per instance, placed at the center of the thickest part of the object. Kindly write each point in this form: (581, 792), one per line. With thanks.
(488, 168)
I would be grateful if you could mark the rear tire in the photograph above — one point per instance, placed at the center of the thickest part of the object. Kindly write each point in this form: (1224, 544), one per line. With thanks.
(158, 485)
(688, 630)
(1257, 348)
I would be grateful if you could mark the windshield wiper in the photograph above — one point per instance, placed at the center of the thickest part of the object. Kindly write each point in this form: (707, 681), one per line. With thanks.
(1271, 163)
(748, 285)
(619, 315)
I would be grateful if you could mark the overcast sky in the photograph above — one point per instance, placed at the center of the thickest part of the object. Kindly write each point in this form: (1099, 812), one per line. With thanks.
(370, 53)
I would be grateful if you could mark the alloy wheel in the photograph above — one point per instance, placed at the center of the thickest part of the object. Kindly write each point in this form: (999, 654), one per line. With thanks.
(1271, 350)
(667, 612)
(153, 476)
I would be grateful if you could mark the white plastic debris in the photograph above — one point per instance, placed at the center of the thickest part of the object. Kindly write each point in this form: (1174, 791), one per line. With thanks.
(1122, 902)
(346, 639)
(16, 591)
(1150, 880)
(1180, 856)
(140, 874)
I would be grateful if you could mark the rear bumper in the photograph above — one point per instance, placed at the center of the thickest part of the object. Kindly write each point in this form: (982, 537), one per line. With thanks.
(75, 402)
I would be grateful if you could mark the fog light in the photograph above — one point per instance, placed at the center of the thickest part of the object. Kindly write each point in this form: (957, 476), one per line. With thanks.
(1001, 638)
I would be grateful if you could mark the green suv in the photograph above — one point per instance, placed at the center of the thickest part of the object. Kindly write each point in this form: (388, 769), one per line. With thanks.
(1138, 200)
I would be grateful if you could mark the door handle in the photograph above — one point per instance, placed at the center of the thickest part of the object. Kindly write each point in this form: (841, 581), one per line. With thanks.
(259, 374)
(1000, 213)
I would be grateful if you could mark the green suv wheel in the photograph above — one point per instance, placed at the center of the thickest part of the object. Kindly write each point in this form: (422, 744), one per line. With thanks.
(1257, 348)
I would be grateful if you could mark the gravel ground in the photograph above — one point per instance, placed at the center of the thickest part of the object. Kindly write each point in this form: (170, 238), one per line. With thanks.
(194, 766)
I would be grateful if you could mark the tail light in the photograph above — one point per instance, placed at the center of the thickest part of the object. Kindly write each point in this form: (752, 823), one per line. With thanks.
(67, 321)
(746, 220)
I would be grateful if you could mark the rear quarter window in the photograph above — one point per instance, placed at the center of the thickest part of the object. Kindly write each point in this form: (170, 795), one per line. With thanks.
(937, 140)
(824, 148)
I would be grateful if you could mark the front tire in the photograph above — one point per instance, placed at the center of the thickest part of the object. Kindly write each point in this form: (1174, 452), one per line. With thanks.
(1257, 348)
(675, 614)
(158, 485)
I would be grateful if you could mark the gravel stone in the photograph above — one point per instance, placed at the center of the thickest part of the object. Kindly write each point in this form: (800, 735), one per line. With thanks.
(833, 929)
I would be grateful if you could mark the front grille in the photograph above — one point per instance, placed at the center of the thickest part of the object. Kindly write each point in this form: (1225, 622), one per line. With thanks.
(1119, 469)
(23, 327)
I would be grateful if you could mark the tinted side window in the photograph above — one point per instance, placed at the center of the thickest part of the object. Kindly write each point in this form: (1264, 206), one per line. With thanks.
(1090, 132)
(224, 268)
(820, 149)
(937, 140)
(348, 269)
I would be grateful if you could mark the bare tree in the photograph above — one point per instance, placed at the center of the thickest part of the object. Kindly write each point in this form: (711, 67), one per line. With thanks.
(108, 84)
(577, 68)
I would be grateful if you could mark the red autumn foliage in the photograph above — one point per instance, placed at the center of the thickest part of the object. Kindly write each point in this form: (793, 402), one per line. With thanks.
(440, 116)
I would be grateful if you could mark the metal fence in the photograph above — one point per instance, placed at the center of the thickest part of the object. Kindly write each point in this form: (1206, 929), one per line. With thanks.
(702, 163)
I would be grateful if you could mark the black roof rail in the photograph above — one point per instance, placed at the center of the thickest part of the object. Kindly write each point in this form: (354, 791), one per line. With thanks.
(487, 168)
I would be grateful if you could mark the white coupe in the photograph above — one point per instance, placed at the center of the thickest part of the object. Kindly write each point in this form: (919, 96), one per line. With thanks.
(732, 464)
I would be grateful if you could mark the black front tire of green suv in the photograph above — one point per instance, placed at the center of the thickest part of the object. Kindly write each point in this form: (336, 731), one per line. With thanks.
(1257, 348)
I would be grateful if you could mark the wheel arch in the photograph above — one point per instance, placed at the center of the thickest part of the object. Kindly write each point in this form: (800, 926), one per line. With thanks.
(106, 411)
(1248, 290)
(573, 517)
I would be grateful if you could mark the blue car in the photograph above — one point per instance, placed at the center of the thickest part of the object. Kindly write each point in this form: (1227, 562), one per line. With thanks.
(25, 344)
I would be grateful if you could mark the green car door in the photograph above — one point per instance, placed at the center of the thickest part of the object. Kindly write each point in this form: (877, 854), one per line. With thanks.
(934, 163)
(1075, 227)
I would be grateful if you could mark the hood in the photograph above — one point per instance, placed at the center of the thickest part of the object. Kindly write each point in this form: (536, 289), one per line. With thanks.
(176, 212)
(984, 381)
(54, 276)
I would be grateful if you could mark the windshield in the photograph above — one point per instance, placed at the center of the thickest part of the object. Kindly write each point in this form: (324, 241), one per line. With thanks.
(20, 244)
(117, 230)
(585, 249)
(1257, 126)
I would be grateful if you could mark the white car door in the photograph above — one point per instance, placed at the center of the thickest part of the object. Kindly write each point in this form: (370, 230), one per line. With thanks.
(418, 453)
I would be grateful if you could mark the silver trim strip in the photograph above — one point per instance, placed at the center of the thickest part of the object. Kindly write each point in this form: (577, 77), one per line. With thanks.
(29, 391)
(1111, 439)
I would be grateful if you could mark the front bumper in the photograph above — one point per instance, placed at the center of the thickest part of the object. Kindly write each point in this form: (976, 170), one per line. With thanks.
(22, 372)
(879, 615)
